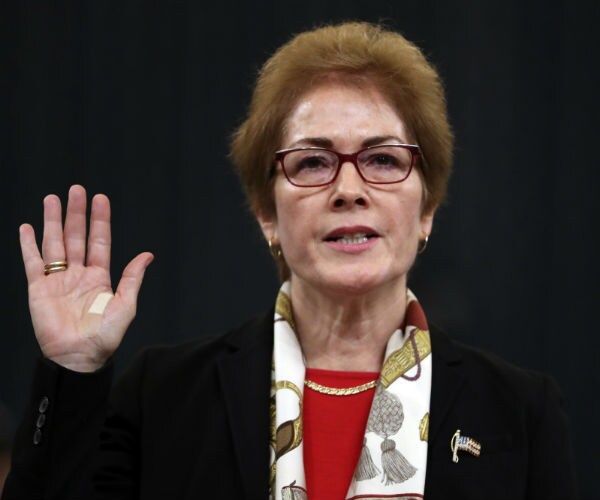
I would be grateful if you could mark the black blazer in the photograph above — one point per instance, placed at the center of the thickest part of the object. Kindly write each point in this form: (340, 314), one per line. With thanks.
(192, 421)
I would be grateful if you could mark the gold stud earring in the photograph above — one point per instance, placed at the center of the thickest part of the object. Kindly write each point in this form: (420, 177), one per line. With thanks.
(274, 249)
(423, 244)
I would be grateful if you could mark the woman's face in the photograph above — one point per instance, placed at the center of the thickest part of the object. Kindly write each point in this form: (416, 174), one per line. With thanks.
(322, 230)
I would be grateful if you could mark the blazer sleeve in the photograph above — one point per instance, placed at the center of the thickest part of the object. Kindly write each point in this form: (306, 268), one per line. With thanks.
(55, 444)
(552, 471)
(79, 437)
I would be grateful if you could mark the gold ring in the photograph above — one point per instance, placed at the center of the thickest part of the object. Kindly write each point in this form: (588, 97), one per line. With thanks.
(55, 267)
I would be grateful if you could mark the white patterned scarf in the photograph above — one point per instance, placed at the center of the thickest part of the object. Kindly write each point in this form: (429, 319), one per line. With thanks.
(394, 455)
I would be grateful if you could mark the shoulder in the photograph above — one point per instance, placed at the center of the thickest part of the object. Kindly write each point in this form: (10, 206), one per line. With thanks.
(516, 413)
(497, 391)
(160, 364)
(493, 395)
(486, 369)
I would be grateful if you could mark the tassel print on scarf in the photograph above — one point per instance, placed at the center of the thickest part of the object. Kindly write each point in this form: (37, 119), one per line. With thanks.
(366, 468)
(385, 420)
(396, 469)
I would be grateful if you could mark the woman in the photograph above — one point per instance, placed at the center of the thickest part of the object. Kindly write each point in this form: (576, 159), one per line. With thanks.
(345, 155)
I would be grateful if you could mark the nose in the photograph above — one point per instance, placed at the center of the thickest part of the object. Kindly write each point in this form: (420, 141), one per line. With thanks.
(349, 188)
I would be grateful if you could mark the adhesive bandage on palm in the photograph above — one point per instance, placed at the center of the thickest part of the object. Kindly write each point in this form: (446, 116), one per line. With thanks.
(93, 317)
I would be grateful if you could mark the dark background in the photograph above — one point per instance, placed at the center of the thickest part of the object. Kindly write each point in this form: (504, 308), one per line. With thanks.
(138, 99)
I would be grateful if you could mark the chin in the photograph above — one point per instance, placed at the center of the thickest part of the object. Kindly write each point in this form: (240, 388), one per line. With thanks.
(355, 282)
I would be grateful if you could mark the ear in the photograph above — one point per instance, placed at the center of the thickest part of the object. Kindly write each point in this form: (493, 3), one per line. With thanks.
(268, 226)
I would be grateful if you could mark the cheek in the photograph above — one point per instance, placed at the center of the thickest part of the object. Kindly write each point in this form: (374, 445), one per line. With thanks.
(290, 218)
(281, 210)
(413, 205)
(408, 201)
(296, 224)
(405, 221)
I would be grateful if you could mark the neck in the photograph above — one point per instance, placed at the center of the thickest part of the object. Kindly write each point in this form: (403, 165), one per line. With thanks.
(338, 331)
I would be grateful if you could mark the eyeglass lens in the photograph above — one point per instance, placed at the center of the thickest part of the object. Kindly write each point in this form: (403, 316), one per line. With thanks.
(383, 164)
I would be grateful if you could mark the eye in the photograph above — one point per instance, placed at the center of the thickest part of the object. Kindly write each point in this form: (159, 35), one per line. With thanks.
(312, 162)
(383, 160)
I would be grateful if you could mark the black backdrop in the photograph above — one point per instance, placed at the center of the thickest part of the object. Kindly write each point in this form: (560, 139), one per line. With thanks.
(137, 100)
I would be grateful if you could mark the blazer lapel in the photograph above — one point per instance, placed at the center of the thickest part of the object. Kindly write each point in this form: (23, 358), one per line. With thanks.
(447, 379)
(245, 376)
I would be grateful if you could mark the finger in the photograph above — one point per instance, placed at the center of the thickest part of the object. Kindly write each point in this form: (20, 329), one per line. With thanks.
(34, 265)
(74, 237)
(131, 281)
(53, 247)
(99, 239)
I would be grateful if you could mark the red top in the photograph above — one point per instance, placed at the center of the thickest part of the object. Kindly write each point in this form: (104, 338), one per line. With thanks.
(333, 432)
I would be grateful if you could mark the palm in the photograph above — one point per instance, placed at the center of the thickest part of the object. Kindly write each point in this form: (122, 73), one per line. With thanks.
(67, 330)
(59, 304)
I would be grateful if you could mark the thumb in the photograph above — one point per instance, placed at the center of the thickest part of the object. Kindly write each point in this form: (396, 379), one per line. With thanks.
(131, 280)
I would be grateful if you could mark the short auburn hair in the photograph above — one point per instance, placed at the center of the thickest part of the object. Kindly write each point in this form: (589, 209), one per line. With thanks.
(361, 54)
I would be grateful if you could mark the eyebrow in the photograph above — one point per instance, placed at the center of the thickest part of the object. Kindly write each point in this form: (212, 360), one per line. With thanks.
(323, 142)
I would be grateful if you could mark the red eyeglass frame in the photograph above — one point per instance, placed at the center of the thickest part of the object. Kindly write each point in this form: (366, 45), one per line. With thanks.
(414, 149)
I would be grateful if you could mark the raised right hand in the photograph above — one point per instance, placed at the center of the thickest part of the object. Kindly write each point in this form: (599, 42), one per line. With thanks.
(71, 325)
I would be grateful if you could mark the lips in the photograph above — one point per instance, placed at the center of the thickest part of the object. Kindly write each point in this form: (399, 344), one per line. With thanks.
(352, 235)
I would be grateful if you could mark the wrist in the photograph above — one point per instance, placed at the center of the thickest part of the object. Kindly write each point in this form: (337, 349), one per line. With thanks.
(78, 362)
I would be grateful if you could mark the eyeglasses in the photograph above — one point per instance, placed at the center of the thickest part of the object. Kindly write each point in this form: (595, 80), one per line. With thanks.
(381, 164)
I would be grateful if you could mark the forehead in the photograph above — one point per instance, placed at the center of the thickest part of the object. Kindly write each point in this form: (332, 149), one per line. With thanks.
(343, 114)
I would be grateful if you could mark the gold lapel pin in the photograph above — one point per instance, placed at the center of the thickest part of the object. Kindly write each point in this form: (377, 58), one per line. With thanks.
(463, 443)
